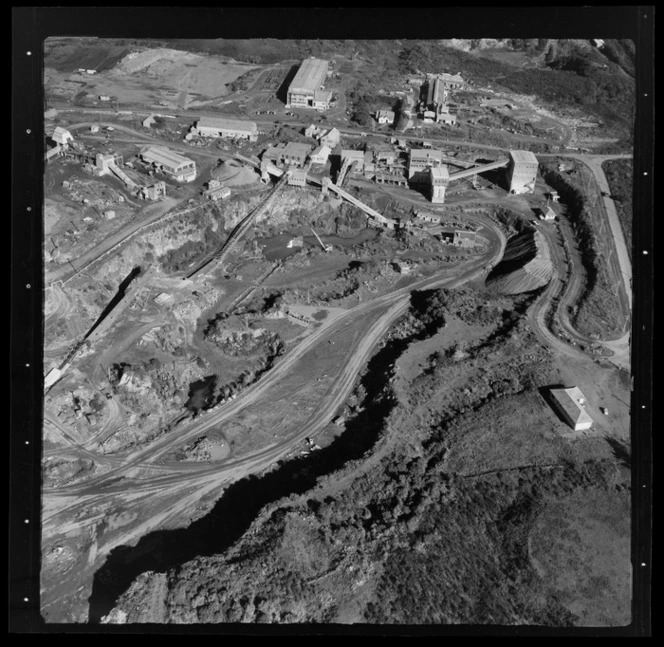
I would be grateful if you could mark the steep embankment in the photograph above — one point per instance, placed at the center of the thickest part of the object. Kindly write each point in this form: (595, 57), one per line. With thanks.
(458, 502)
(526, 265)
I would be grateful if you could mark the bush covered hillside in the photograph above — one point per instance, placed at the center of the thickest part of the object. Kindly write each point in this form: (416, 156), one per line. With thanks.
(437, 505)
(619, 175)
(566, 72)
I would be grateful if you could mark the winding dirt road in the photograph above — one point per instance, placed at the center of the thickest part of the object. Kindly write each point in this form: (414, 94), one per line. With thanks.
(164, 495)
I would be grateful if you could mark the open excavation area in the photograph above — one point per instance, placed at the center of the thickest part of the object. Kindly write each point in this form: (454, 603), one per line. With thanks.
(307, 362)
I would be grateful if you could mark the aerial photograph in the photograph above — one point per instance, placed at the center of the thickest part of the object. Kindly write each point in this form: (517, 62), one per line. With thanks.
(337, 332)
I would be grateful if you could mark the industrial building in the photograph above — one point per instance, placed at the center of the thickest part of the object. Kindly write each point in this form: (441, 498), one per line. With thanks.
(295, 153)
(451, 81)
(62, 136)
(446, 118)
(153, 192)
(570, 404)
(297, 177)
(223, 127)
(522, 172)
(176, 166)
(354, 157)
(464, 239)
(419, 161)
(307, 89)
(395, 179)
(217, 193)
(439, 178)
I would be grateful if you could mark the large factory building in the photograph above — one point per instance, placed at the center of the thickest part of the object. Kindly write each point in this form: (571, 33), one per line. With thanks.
(522, 172)
(307, 89)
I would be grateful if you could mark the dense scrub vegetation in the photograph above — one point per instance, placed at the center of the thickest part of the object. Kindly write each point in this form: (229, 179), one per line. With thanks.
(401, 534)
(619, 175)
(598, 310)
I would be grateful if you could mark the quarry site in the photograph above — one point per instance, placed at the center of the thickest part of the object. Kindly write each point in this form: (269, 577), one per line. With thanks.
(334, 337)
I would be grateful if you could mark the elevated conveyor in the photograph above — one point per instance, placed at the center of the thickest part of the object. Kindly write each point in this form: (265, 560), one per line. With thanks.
(242, 227)
(477, 170)
(117, 171)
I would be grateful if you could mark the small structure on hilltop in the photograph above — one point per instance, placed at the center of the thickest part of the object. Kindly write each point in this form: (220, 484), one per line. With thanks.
(547, 213)
(570, 404)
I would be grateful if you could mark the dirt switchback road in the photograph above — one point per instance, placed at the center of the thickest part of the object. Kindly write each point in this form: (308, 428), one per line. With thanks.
(149, 496)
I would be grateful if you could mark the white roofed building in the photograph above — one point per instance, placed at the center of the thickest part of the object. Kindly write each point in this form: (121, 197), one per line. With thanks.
(62, 136)
(320, 155)
(224, 127)
(571, 405)
(176, 166)
(304, 90)
(420, 160)
(439, 176)
(522, 172)
(331, 138)
(385, 117)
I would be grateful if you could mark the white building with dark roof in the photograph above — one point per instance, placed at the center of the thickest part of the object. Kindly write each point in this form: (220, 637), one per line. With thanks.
(224, 127)
(305, 89)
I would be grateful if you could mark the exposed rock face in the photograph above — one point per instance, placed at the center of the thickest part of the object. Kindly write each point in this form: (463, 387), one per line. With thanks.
(525, 266)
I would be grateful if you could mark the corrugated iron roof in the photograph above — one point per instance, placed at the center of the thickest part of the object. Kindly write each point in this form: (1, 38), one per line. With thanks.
(297, 149)
(571, 401)
(223, 123)
(425, 155)
(524, 157)
(440, 172)
(310, 76)
(166, 157)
